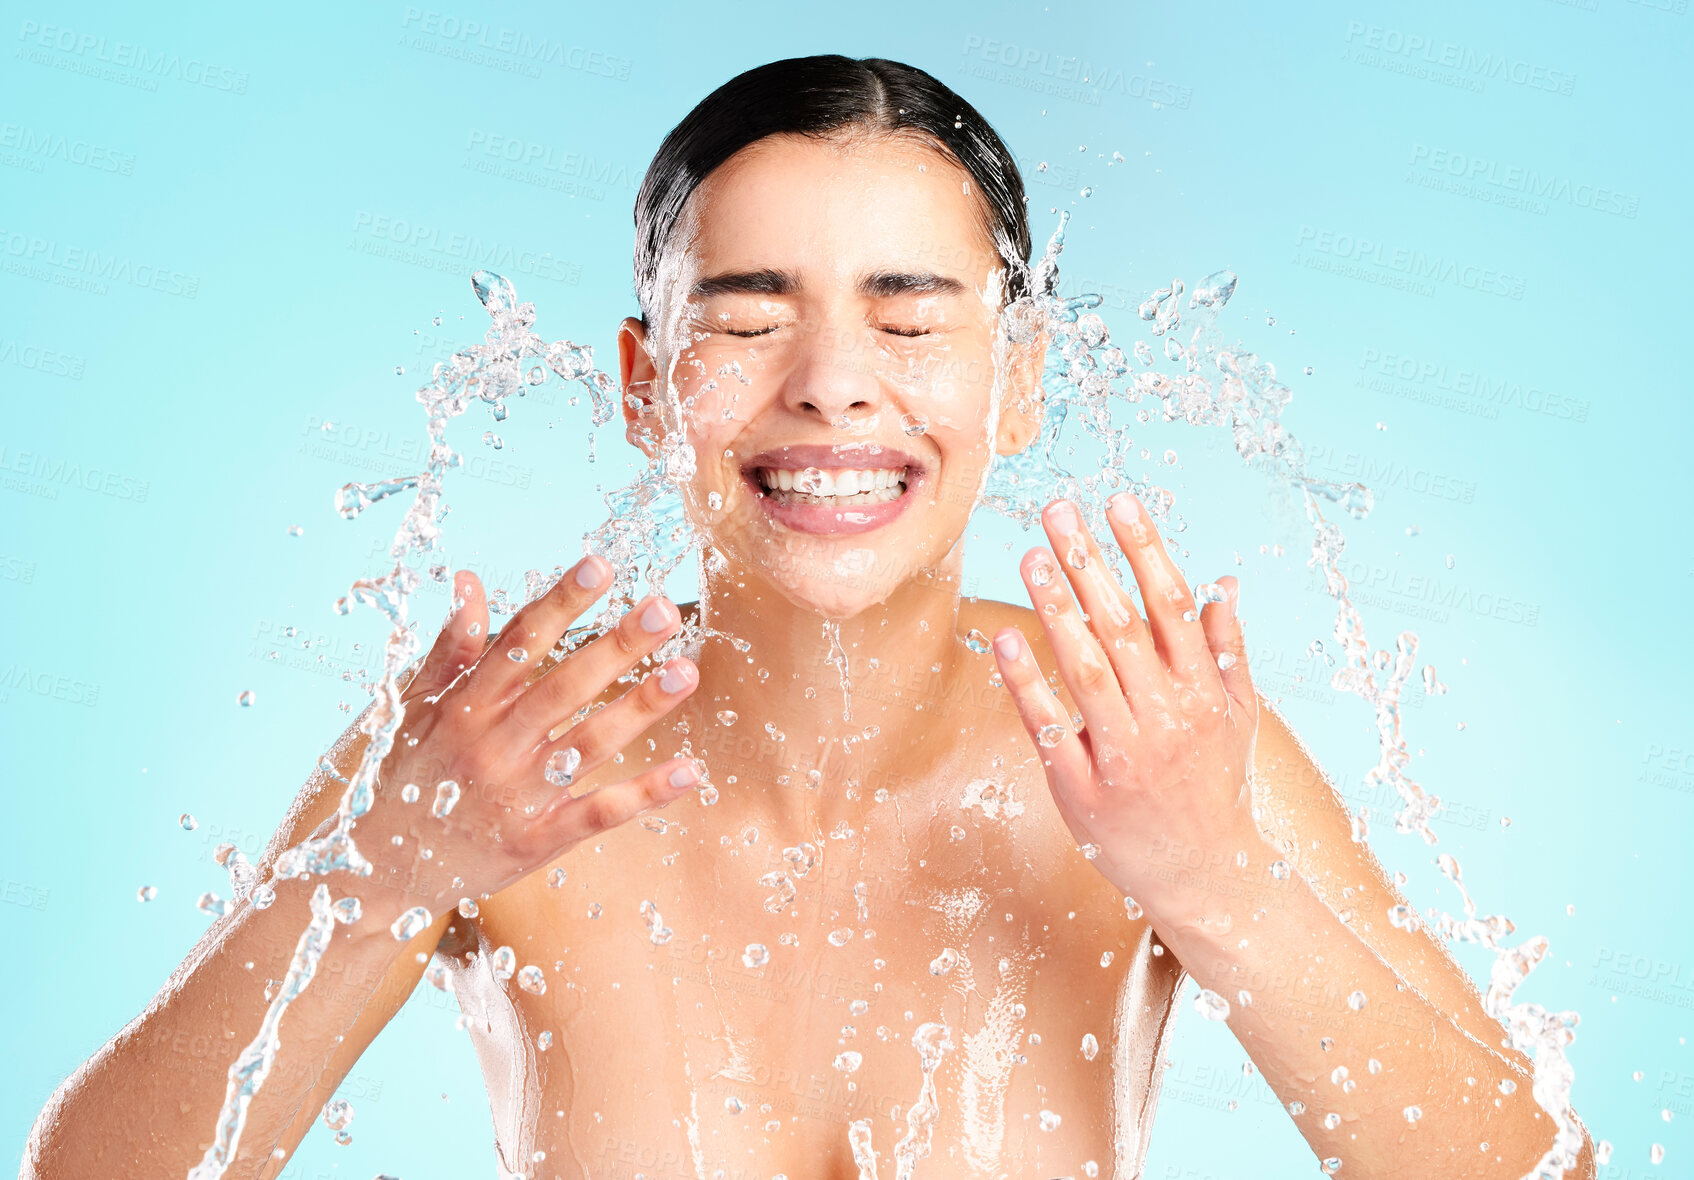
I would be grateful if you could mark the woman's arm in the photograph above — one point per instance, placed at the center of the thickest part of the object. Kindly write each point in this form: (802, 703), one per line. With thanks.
(1371, 1036)
(478, 740)
(1304, 969)
(147, 1103)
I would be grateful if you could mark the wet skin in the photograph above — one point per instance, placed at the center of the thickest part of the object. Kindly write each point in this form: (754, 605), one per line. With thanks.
(873, 303)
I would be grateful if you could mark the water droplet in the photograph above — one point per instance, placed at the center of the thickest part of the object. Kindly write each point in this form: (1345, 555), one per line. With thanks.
(1413, 1113)
(977, 642)
(914, 424)
(467, 908)
(212, 905)
(446, 795)
(756, 955)
(337, 1114)
(1226, 661)
(1089, 851)
(532, 981)
(246, 699)
(1332, 1165)
(544, 1041)
(188, 822)
(1050, 1121)
(411, 923)
(1106, 959)
(849, 1061)
(727, 717)
(944, 962)
(561, 768)
(1451, 561)
(1657, 1154)
(1331, 1121)
(1041, 574)
(840, 937)
(1132, 908)
(1051, 735)
(1356, 1001)
(555, 878)
(1338, 1075)
(1211, 1005)
(494, 291)
(1279, 869)
(517, 655)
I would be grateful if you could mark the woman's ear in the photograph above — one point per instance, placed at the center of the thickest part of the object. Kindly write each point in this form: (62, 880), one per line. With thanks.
(1024, 398)
(636, 376)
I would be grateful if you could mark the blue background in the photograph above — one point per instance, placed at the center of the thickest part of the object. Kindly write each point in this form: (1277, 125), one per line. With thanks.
(281, 209)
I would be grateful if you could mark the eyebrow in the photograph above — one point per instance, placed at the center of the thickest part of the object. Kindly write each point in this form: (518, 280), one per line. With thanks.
(880, 284)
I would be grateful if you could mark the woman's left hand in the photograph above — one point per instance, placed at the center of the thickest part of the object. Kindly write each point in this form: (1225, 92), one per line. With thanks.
(1159, 779)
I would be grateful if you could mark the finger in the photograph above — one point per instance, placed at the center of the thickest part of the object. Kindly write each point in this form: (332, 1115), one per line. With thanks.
(1171, 613)
(534, 629)
(462, 639)
(569, 821)
(1062, 751)
(1117, 625)
(603, 733)
(1229, 647)
(584, 674)
(1082, 665)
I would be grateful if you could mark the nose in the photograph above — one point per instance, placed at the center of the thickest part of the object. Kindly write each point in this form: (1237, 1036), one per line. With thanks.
(833, 377)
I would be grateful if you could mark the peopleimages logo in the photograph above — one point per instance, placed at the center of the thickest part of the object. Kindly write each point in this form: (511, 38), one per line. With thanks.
(1480, 170)
(1411, 263)
(88, 268)
(1473, 65)
(29, 147)
(1391, 372)
(474, 41)
(421, 244)
(149, 64)
(1092, 77)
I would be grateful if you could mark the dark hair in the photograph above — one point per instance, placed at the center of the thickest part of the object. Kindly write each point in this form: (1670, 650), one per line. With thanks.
(819, 96)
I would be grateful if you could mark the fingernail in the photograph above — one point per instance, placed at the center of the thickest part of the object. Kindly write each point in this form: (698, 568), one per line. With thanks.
(654, 619)
(1234, 596)
(685, 776)
(1063, 515)
(588, 575)
(672, 679)
(1007, 646)
(1125, 507)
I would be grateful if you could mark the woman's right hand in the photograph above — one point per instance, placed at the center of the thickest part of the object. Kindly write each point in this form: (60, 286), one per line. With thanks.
(471, 720)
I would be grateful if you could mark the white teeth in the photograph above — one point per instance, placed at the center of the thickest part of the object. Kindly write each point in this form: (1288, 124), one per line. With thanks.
(817, 483)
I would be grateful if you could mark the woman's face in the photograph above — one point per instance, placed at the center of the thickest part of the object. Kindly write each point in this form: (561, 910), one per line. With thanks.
(828, 341)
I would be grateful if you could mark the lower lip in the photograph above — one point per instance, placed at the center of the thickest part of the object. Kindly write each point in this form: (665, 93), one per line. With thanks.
(825, 520)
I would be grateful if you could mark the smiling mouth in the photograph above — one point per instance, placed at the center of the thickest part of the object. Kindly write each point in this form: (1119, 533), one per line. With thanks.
(837, 488)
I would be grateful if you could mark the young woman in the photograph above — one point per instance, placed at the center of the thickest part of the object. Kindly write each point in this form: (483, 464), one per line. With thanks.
(933, 907)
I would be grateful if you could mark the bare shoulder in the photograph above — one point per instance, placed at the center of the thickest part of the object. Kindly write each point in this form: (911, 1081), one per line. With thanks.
(988, 615)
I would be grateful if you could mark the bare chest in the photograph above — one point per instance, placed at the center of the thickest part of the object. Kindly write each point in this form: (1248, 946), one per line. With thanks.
(929, 968)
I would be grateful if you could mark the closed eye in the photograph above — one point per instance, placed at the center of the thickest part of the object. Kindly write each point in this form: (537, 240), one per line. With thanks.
(751, 332)
(904, 331)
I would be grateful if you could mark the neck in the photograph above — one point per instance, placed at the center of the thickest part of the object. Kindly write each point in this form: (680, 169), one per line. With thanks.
(838, 706)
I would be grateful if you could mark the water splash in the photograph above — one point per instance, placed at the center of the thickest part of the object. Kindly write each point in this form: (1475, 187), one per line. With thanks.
(247, 1074)
(933, 1041)
(1202, 381)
